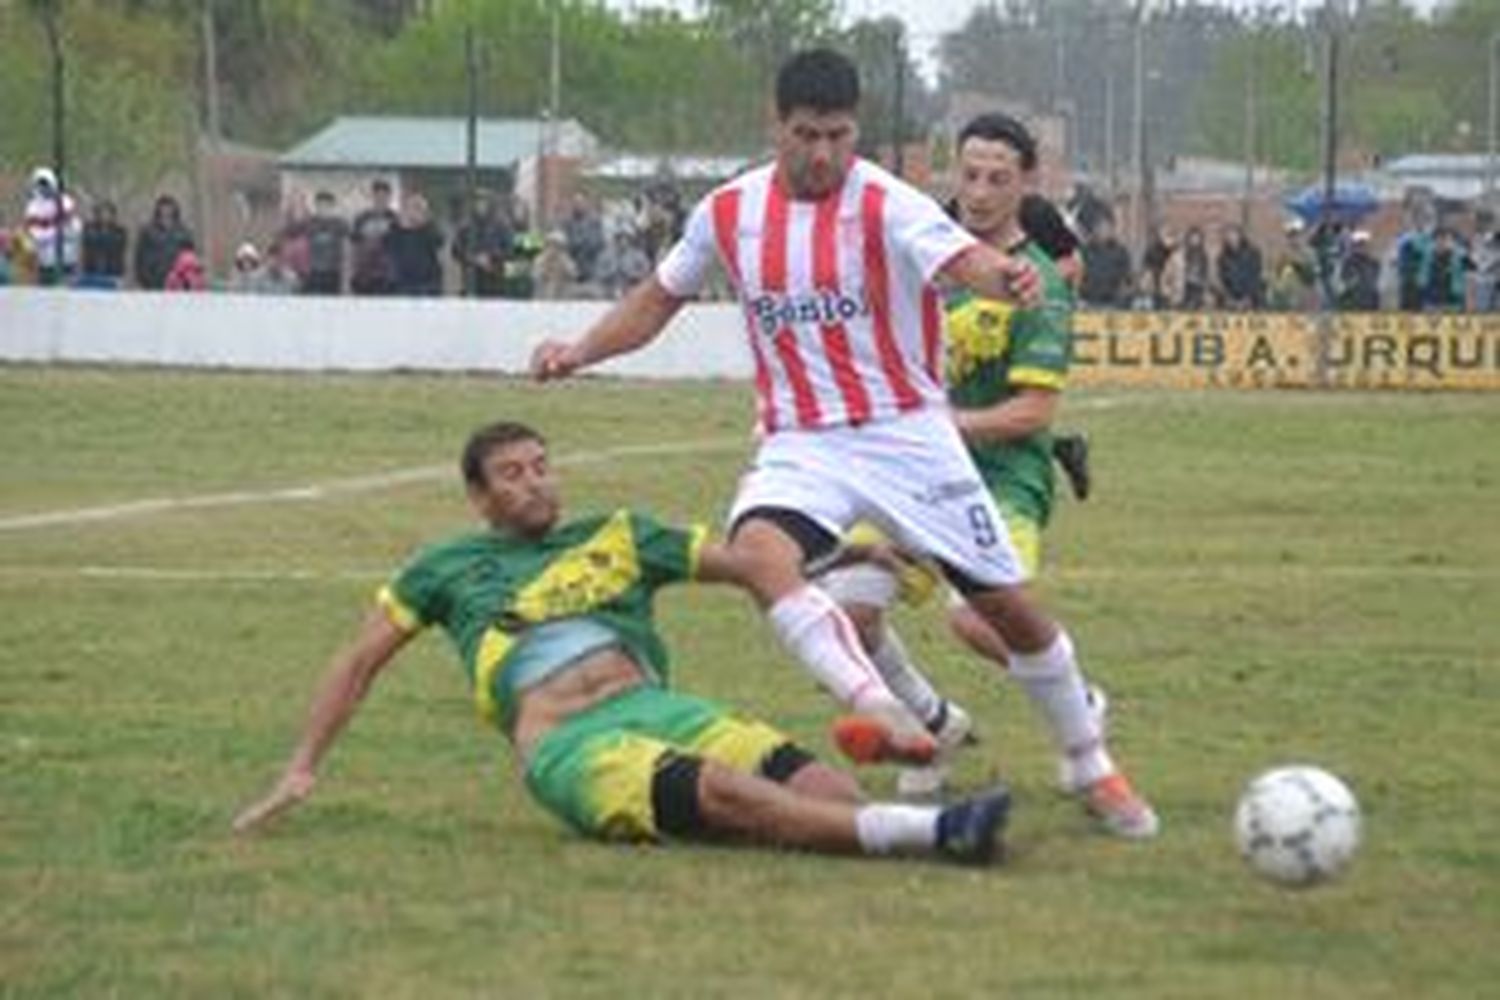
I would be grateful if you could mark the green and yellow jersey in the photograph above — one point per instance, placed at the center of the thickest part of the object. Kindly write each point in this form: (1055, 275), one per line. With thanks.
(996, 350)
(487, 589)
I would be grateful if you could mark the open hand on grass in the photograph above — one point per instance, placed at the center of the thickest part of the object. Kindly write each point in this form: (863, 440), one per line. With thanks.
(290, 791)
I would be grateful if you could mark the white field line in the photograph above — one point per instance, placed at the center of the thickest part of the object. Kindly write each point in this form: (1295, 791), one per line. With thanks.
(1083, 574)
(1231, 571)
(313, 492)
(384, 480)
(1097, 402)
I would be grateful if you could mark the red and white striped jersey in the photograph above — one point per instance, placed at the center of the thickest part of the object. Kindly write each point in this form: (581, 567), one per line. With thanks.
(844, 323)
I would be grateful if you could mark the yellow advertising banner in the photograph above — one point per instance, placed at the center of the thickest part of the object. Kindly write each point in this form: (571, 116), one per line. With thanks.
(1287, 350)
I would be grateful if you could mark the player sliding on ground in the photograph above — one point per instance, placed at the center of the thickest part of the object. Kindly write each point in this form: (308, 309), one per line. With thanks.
(553, 623)
(834, 262)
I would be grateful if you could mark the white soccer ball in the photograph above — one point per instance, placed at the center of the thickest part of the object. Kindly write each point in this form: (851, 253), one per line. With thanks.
(1297, 825)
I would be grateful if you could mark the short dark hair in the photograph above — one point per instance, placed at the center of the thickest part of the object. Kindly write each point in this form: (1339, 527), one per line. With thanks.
(997, 126)
(380, 184)
(1047, 227)
(820, 80)
(489, 438)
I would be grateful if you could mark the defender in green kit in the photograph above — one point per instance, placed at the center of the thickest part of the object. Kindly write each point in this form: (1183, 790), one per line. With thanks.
(1006, 367)
(996, 354)
(553, 624)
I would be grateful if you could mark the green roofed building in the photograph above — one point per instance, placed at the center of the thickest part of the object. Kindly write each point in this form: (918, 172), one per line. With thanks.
(430, 155)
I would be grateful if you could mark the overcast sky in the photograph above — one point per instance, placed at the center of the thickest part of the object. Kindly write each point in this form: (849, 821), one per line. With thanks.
(927, 20)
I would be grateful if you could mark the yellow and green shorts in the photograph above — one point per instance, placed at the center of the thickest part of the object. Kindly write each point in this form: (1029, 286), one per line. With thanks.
(627, 768)
(866, 583)
(1025, 536)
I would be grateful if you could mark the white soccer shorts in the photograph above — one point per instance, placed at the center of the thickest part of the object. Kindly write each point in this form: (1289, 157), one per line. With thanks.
(910, 476)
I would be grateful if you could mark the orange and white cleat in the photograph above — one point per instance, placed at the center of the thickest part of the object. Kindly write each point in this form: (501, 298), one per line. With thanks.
(867, 739)
(1120, 809)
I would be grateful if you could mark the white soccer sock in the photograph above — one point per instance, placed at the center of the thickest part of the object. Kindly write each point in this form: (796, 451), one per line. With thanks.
(818, 633)
(905, 680)
(886, 829)
(1052, 678)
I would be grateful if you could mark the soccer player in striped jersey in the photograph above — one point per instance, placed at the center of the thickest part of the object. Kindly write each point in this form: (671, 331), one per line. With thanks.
(835, 263)
(1006, 370)
(553, 624)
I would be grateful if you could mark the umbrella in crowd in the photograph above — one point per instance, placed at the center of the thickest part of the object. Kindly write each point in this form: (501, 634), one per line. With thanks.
(1350, 203)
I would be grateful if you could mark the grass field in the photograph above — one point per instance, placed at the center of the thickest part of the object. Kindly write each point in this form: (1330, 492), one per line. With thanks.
(1259, 578)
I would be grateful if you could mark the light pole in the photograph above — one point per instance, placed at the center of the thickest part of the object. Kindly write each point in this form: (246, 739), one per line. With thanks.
(51, 12)
(898, 100)
(1323, 238)
(1109, 108)
(471, 157)
(551, 121)
(1494, 119)
(1250, 125)
(1331, 16)
(1138, 134)
(209, 167)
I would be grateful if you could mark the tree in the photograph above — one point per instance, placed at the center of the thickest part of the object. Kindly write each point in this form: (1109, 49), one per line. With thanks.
(879, 49)
(1287, 100)
(128, 119)
(654, 81)
(283, 65)
(1408, 83)
(770, 29)
(1064, 57)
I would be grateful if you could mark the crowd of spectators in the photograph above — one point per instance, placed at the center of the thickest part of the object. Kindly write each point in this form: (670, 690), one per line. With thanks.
(384, 249)
(600, 251)
(1429, 267)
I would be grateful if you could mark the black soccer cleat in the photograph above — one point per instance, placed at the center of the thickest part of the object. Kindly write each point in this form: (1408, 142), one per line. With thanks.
(972, 832)
(1072, 453)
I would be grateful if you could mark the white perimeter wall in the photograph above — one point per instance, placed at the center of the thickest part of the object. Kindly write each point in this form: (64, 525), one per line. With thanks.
(299, 333)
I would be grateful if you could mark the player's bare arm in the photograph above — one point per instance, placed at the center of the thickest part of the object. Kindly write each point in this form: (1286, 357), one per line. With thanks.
(1020, 416)
(634, 322)
(348, 679)
(996, 275)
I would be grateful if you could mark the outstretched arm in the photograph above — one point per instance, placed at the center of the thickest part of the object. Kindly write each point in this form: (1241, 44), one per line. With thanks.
(995, 275)
(634, 322)
(348, 679)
